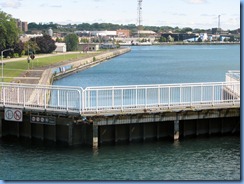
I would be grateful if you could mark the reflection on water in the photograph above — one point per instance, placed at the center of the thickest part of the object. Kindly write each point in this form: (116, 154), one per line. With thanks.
(215, 158)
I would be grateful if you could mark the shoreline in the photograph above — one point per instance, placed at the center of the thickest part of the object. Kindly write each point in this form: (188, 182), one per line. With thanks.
(197, 43)
(63, 70)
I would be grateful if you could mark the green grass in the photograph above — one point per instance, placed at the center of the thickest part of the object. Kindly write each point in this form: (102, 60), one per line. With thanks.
(15, 69)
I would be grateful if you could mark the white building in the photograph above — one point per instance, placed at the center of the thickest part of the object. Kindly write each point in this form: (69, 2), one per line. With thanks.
(61, 47)
(204, 36)
(104, 33)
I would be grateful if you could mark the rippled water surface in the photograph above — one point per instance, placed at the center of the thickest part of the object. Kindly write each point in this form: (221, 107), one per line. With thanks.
(161, 65)
(215, 158)
(194, 159)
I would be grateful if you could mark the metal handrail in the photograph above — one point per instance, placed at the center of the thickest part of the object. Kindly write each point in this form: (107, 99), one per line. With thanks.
(137, 97)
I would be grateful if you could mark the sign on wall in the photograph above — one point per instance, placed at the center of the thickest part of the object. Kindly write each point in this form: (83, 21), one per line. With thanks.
(13, 114)
(47, 120)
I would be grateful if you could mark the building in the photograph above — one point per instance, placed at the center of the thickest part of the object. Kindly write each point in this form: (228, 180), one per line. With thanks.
(123, 33)
(23, 26)
(27, 37)
(61, 47)
(50, 32)
(181, 36)
(104, 33)
(88, 47)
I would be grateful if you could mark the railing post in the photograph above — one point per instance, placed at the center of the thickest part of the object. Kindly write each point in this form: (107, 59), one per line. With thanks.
(201, 92)
(45, 99)
(80, 101)
(180, 93)
(169, 97)
(67, 100)
(159, 95)
(4, 98)
(145, 97)
(191, 96)
(113, 97)
(97, 100)
(122, 97)
(58, 98)
(213, 95)
(136, 96)
(24, 97)
(18, 94)
(83, 93)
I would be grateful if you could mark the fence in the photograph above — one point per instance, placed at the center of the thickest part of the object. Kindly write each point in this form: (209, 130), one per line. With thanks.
(118, 98)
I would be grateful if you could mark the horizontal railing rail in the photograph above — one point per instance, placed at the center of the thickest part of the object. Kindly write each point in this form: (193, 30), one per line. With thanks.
(114, 99)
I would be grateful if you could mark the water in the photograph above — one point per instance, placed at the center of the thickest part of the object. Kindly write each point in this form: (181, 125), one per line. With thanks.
(193, 159)
(161, 65)
(215, 158)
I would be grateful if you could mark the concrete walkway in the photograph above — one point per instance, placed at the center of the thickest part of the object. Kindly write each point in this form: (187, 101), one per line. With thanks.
(44, 75)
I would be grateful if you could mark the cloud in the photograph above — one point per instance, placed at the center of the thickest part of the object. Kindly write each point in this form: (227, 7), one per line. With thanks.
(208, 15)
(196, 1)
(56, 6)
(51, 6)
(179, 14)
(11, 3)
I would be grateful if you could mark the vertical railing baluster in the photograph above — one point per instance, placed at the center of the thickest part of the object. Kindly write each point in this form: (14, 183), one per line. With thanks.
(169, 97)
(159, 97)
(122, 100)
(97, 100)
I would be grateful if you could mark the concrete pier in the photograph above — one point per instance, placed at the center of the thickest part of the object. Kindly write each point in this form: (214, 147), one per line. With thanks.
(99, 130)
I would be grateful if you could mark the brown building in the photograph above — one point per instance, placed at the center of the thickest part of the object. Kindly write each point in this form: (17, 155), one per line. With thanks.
(23, 26)
(124, 33)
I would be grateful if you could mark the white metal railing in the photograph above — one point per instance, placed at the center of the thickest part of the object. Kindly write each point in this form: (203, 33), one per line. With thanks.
(118, 98)
(232, 76)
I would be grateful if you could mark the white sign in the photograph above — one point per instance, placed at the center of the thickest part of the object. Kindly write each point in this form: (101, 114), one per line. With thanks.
(13, 114)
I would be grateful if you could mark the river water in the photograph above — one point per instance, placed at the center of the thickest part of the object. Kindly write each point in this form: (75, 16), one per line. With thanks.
(207, 158)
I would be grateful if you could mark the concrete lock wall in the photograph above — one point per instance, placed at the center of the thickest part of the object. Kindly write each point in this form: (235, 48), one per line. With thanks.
(129, 128)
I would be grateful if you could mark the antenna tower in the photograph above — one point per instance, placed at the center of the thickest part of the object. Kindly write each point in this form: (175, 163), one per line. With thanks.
(139, 16)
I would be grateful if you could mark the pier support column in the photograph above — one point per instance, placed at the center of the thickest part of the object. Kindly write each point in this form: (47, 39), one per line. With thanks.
(70, 135)
(144, 132)
(158, 132)
(197, 128)
(17, 133)
(1, 128)
(95, 136)
(176, 130)
(209, 127)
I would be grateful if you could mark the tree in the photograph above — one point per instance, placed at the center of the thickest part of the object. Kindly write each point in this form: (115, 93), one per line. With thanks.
(31, 46)
(71, 41)
(19, 48)
(8, 31)
(46, 44)
(162, 39)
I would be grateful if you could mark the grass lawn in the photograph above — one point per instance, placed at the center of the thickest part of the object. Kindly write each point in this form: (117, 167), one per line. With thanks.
(15, 69)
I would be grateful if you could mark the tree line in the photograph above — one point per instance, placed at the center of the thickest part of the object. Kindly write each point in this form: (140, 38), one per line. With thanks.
(106, 26)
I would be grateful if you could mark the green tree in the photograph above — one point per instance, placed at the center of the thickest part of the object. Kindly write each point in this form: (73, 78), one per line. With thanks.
(162, 39)
(45, 43)
(71, 41)
(8, 31)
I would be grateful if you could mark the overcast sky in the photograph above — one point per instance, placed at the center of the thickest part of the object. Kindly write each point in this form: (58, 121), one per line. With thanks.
(182, 13)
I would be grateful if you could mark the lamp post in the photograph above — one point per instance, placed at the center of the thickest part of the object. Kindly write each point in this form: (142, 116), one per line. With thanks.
(2, 59)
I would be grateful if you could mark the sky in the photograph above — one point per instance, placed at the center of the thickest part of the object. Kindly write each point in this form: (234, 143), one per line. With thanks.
(182, 13)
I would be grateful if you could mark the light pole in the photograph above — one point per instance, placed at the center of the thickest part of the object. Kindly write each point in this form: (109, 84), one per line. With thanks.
(2, 59)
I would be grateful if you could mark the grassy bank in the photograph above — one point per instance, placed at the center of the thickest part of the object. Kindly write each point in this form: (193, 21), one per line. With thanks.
(16, 68)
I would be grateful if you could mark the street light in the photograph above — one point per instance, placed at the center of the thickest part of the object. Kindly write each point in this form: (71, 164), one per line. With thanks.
(2, 59)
